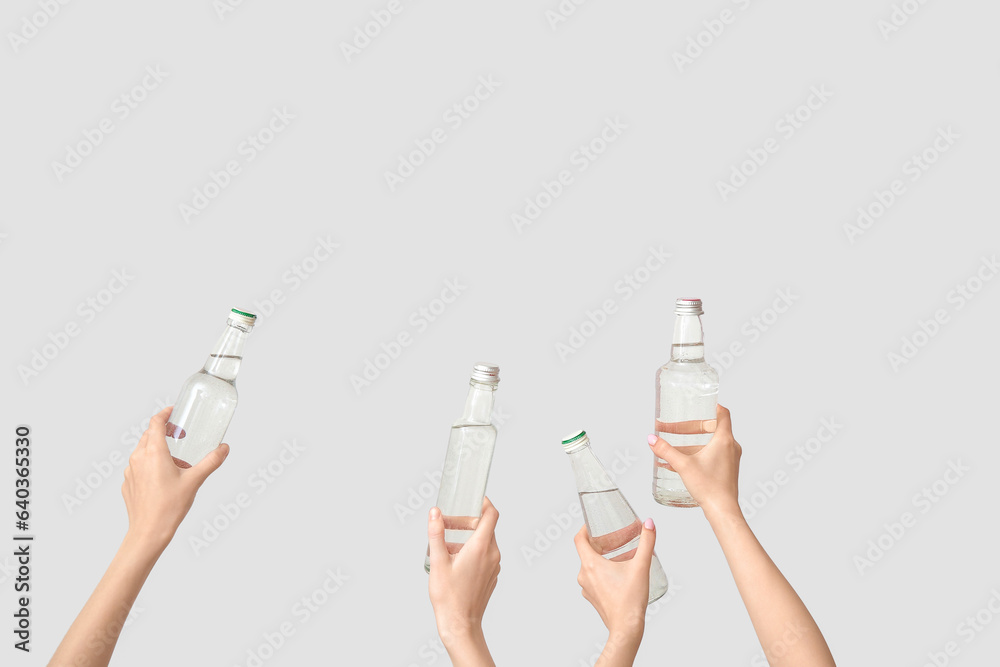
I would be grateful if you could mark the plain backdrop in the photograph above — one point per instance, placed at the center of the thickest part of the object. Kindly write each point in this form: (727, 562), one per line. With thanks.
(344, 503)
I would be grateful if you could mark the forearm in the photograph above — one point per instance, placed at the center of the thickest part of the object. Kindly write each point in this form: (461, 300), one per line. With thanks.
(468, 649)
(620, 649)
(92, 637)
(785, 628)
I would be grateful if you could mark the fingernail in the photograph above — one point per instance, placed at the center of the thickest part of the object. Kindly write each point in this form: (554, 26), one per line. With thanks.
(649, 524)
(435, 513)
(651, 439)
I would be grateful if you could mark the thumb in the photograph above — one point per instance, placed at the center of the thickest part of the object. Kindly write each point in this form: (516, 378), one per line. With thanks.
(647, 540)
(667, 452)
(210, 463)
(436, 547)
(582, 542)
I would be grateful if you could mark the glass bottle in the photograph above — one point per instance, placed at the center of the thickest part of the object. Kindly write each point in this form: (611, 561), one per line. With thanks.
(467, 461)
(687, 390)
(613, 525)
(207, 401)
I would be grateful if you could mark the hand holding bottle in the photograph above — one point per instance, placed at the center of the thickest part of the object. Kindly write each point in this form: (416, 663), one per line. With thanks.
(787, 631)
(157, 493)
(619, 592)
(710, 475)
(461, 585)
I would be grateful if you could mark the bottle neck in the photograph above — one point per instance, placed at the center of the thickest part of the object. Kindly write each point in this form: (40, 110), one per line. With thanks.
(224, 362)
(479, 404)
(590, 474)
(689, 340)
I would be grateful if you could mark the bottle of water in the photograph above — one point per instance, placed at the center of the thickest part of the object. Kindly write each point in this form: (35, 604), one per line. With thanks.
(467, 462)
(687, 390)
(207, 401)
(613, 526)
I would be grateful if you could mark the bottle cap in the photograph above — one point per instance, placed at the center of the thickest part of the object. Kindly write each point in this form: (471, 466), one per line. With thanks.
(486, 373)
(688, 307)
(575, 439)
(243, 317)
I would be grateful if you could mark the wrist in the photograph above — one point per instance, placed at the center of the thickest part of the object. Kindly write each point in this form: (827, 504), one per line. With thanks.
(623, 644)
(143, 547)
(466, 646)
(454, 635)
(723, 512)
(631, 634)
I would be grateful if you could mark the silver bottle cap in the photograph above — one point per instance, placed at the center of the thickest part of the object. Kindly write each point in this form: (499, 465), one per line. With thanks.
(688, 307)
(486, 373)
(242, 317)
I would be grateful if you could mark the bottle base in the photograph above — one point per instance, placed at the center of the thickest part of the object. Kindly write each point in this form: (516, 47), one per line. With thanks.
(675, 500)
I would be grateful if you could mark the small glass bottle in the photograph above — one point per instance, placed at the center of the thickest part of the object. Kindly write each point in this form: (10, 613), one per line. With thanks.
(613, 525)
(687, 390)
(207, 401)
(467, 461)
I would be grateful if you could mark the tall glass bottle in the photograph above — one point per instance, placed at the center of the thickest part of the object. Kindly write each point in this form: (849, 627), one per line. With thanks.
(207, 401)
(613, 525)
(467, 461)
(687, 390)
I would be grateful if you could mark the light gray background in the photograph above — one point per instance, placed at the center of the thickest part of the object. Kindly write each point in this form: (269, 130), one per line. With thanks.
(335, 505)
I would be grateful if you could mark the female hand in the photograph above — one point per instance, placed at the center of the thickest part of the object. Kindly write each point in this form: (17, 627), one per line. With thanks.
(157, 493)
(619, 591)
(461, 585)
(712, 474)
(712, 477)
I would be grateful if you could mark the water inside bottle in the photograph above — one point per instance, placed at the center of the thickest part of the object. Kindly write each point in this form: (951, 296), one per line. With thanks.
(202, 412)
(615, 531)
(463, 482)
(687, 409)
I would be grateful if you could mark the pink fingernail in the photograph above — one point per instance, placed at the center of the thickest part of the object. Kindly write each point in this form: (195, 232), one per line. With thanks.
(651, 439)
(649, 524)
(435, 513)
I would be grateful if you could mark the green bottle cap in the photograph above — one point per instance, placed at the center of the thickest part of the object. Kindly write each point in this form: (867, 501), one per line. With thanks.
(243, 317)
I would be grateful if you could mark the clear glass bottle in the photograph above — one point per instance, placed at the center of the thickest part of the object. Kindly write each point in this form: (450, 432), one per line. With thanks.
(613, 525)
(207, 401)
(467, 461)
(687, 390)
